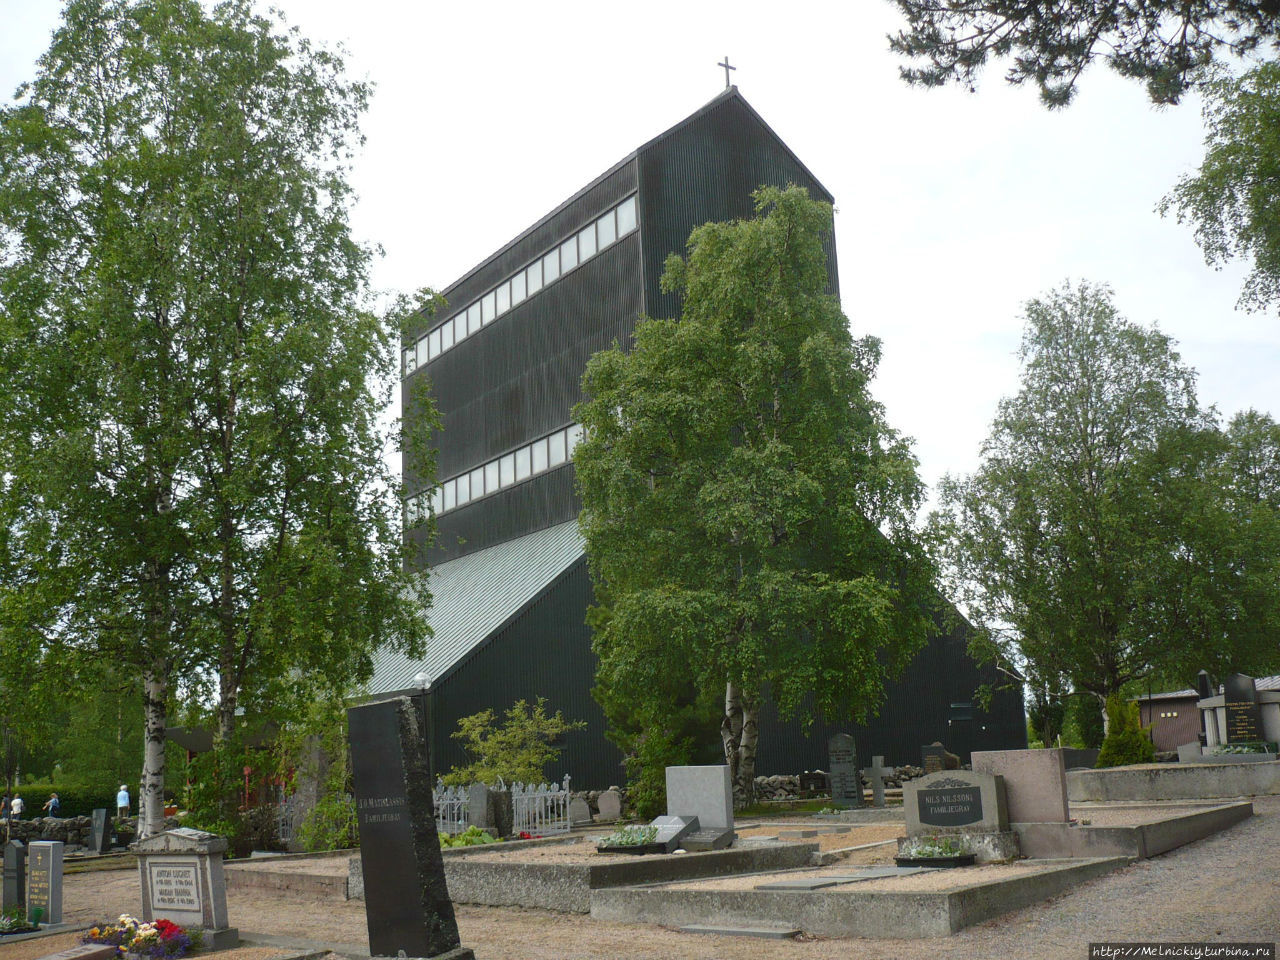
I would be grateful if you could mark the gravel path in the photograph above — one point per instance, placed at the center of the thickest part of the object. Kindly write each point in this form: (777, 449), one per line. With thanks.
(1220, 889)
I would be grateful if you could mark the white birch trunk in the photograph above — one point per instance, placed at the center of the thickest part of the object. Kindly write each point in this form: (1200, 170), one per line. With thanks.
(731, 728)
(151, 796)
(744, 788)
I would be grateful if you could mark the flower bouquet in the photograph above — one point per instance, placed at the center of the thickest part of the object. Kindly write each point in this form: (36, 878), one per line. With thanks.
(137, 938)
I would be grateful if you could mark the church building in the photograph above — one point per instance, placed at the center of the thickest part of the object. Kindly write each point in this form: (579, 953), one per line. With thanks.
(504, 365)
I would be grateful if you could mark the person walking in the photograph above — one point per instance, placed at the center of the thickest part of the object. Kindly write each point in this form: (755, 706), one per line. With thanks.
(122, 801)
(16, 806)
(52, 806)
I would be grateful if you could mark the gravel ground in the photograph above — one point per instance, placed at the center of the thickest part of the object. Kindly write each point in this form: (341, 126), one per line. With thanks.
(1220, 889)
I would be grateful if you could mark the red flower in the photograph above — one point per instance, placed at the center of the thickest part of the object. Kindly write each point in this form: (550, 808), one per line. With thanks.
(167, 929)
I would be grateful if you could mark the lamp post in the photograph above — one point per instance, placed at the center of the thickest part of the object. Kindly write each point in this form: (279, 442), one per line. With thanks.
(422, 682)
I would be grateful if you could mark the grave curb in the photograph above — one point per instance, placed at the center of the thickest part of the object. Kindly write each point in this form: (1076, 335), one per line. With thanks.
(568, 887)
(1175, 781)
(1139, 841)
(843, 912)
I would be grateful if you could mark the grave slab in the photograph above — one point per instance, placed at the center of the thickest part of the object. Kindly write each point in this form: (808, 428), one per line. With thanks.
(712, 839)
(673, 830)
(817, 883)
(85, 951)
(764, 933)
(1035, 782)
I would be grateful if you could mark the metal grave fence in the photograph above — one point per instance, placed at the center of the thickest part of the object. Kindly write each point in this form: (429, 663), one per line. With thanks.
(452, 808)
(541, 809)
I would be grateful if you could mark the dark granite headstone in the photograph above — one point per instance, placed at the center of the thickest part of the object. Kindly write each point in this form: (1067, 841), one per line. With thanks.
(1204, 685)
(1244, 720)
(813, 784)
(846, 783)
(406, 900)
(99, 831)
(933, 757)
(15, 875)
(673, 830)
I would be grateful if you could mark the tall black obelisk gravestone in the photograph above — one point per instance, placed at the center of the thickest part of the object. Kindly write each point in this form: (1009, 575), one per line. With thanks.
(406, 901)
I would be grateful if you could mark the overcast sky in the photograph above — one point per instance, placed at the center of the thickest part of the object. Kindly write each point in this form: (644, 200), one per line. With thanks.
(953, 209)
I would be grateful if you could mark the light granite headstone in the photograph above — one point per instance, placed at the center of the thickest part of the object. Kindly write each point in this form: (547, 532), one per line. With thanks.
(703, 793)
(44, 881)
(876, 774)
(1035, 782)
(610, 805)
(579, 812)
(964, 804)
(182, 880)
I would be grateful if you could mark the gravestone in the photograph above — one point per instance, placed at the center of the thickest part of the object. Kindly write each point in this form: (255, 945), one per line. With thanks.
(673, 830)
(813, 784)
(579, 812)
(44, 881)
(480, 807)
(703, 793)
(846, 782)
(1244, 719)
(610, 805)
(1035, 782)
(407, 903)
(15, 875)
(963, 803)
(180, 872)
(99, 832)
(934, 757)
(876, 774)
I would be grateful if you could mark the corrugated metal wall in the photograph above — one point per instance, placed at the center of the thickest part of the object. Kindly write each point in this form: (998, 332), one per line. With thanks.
(546, 651)
(705, 170)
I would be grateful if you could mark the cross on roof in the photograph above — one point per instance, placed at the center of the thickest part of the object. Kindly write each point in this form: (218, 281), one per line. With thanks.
(727, 68)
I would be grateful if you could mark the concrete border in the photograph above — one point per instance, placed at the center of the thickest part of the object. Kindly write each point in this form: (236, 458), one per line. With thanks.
(1175, 781)
(1139, 841)
(567, 886)
(844, 911)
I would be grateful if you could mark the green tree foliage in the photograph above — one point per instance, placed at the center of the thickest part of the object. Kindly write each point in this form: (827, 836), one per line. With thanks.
(1167, 45)
(1126, 741)
(314, 760)
(1095, 542)
(518, 751)
(746, 509)
(192, 485)
(1233, 200)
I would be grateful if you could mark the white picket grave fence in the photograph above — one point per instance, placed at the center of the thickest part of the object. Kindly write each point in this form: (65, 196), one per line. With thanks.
(541, 810)
(452, 808)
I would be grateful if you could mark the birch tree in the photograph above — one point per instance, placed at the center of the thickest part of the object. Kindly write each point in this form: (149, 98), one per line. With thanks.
(193, 485)
(746, 508)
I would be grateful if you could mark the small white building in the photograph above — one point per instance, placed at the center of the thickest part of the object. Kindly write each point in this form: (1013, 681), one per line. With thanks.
(1214, 712)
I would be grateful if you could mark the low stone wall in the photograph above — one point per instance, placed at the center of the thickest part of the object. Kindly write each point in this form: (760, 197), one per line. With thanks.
(1181, 781)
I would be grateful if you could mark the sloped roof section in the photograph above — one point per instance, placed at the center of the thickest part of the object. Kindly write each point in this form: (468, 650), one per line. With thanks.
(475, 596)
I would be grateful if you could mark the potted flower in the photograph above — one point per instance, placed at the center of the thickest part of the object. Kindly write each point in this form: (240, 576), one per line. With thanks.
(935, 852)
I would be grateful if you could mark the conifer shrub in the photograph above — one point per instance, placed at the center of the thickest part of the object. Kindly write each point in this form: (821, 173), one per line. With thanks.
(1126, 741)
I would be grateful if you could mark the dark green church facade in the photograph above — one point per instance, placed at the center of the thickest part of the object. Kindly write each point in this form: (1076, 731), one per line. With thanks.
(504, 364)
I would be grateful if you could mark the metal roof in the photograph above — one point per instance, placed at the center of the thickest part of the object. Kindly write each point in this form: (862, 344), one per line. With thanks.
(475, 596)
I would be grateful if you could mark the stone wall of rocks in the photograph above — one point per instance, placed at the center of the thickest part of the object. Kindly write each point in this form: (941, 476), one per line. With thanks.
(787, 786)
(73, 831)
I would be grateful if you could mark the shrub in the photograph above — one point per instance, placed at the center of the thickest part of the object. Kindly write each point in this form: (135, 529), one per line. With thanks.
(76, 799)
(517, 751)
(470, 837)
(1126, 741)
